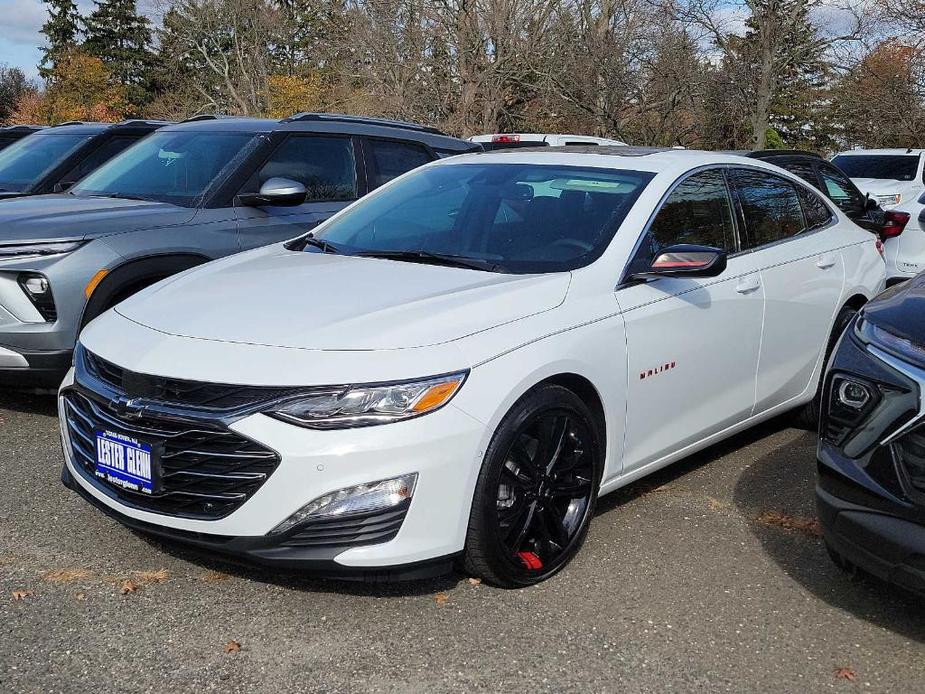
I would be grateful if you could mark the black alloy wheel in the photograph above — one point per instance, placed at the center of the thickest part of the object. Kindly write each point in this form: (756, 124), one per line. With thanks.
(537, 490)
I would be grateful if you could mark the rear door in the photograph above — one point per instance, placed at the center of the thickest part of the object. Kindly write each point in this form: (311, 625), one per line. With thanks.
(692, 343)
(792, 238)
(330, 168)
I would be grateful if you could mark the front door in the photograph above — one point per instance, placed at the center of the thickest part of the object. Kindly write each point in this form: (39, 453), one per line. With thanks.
(692, 343)
(327, 167)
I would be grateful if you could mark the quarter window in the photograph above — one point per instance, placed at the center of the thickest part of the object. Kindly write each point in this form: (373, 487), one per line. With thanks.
(697, 211)
(392, 159)
(324, 165)
(816, 212)
(770, 206)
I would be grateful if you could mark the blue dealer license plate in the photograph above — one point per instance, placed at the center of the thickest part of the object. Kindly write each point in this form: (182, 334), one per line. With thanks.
(125, 462)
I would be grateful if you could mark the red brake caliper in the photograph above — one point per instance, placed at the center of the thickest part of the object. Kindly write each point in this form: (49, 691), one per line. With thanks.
(530, 560)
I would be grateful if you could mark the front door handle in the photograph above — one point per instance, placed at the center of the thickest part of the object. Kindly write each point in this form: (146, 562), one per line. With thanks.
(825, 262)
(747, 285)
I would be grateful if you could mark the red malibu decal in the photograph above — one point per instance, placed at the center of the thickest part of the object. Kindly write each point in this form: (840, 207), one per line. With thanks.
(667, 366)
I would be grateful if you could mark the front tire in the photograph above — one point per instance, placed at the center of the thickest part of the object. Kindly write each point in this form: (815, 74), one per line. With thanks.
(537, 489)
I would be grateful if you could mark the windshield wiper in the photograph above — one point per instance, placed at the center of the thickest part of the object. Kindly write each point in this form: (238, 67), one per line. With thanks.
(122, 196)
(427, 257)
(325, 246)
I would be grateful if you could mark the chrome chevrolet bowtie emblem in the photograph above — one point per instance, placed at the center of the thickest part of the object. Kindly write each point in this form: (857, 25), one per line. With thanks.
(129, 408)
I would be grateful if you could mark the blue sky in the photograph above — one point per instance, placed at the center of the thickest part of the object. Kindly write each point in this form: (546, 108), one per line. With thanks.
(19, 31)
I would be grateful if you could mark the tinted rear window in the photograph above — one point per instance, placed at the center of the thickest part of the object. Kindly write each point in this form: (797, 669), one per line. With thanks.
(896, 167)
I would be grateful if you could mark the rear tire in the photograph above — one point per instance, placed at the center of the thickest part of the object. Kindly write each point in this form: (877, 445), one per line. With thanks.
(807, 417)
(537, 489)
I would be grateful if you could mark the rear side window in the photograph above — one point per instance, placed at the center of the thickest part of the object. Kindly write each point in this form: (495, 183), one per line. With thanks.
(391, 159)
(815, 211)
(841, 191)
(697, 211)
(770, 206)
(324, 165)
(894, 167)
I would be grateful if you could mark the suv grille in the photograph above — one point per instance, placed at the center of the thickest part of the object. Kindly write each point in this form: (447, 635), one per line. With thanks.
(211, 396)
(207, 471)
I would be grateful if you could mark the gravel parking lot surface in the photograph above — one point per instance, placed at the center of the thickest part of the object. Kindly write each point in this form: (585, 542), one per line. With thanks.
(708, 576)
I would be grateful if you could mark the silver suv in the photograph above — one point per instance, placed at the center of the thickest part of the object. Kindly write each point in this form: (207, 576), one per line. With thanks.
(184, 195)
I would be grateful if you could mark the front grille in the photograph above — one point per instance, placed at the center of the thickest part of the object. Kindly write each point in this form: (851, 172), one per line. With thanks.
(175, 391)
(358, 529)
(911, 449)
(207, 470)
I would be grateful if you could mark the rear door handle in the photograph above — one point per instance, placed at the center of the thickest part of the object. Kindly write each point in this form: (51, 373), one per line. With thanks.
(825, 262)
(747, 285)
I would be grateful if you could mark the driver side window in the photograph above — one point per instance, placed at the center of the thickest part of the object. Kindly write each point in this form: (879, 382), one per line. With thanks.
(698, 211)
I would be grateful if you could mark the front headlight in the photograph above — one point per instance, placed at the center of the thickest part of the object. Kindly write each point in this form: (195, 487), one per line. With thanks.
(28, 250)
(870, 334)
(366, 405)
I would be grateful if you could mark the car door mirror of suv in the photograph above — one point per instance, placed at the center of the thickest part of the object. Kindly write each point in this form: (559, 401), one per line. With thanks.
(276, 191)
(686, 260)
(870, 204)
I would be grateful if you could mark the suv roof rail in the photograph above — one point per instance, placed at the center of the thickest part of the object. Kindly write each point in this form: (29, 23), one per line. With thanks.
(205, 116)
(758, 154)
(368, 120)
(74, 122)
(21, 126)
(142, 121)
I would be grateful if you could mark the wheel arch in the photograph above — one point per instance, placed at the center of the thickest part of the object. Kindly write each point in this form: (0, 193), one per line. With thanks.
(584, 389)
(134, 275)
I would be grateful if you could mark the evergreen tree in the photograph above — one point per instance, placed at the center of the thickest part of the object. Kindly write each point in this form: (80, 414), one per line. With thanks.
(61, 30)
(121, 38)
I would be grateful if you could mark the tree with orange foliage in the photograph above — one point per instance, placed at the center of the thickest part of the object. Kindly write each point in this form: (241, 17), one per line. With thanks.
(78, 88)
(881, 103)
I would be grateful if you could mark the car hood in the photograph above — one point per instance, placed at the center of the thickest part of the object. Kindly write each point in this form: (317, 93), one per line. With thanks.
(885, 186)
(901, 310)
(54, 217)
(280, 298)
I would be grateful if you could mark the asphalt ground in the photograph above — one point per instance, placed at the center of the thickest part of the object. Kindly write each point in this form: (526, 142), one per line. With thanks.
(709, 576)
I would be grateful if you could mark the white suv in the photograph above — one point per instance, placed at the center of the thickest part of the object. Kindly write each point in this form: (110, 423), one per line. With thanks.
(458, 365)
(895, 178)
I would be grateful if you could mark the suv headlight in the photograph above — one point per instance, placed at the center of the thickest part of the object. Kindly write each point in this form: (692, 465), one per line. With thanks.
(870, 334)
(366, 405)
(28, 250)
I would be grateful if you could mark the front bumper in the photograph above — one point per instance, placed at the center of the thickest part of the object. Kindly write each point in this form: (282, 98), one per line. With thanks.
(443, 448)
(887, 546)
(33, 369)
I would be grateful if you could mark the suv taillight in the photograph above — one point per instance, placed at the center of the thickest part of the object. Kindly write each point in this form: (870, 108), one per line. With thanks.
(893, 224)
(505, 139)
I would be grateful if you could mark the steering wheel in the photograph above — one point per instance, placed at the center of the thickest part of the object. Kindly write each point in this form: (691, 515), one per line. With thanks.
(583, 246)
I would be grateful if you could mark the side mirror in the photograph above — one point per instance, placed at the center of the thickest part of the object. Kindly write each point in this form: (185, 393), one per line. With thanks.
(870, 204)
(276, 191)
(686, 260)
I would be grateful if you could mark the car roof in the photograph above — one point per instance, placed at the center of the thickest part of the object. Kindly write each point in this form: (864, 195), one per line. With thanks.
(92, 128)
(895, 151)
(334, 123)
(654, 159)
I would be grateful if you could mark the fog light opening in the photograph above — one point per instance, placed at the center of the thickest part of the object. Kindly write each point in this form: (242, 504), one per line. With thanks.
(362, 498)
(853, 394)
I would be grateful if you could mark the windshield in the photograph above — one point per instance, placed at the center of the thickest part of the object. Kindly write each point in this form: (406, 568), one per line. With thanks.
(174, 167)
(895, 167)
(519, 218)
(25, 162)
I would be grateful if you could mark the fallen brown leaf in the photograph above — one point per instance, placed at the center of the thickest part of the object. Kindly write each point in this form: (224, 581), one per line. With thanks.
(146, 577)
(128, 586)
(22, 594)
(232, 646)
(785, 521)
(475, 581)
(717, 505)
(441, 598)
(214, 576)
(845, 673)
(81, 596)
(65, 575)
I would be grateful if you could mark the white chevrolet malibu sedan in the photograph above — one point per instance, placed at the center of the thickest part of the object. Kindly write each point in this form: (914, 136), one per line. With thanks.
(456, 367)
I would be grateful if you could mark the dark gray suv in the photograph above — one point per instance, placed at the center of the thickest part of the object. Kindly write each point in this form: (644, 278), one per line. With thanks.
(184, 195)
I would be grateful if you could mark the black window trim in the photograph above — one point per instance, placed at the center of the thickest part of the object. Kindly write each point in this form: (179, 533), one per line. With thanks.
(372, 170)
(275, 140)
